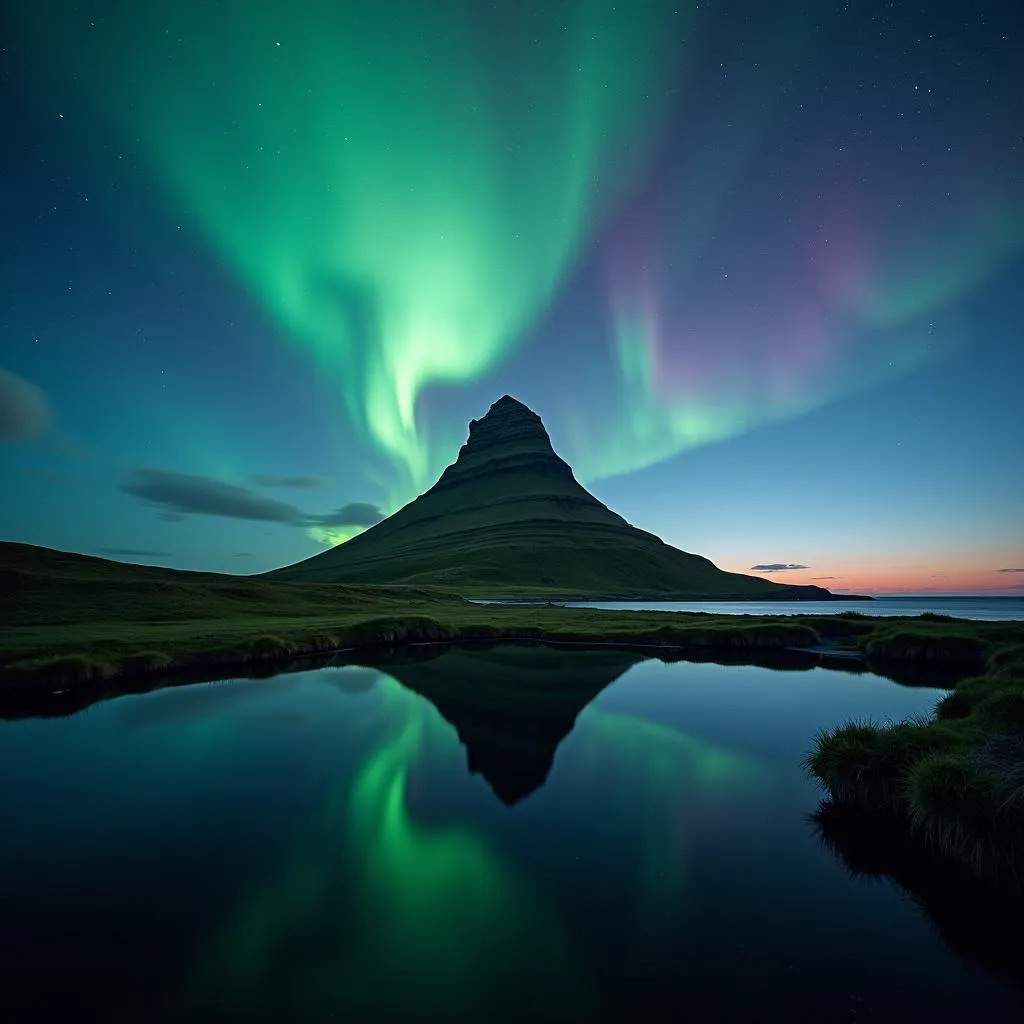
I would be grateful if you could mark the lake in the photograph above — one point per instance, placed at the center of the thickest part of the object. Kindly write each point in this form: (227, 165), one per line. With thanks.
(991, 609)
(485, 834)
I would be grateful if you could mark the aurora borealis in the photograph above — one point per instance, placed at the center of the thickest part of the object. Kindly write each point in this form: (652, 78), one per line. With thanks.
(758, 267)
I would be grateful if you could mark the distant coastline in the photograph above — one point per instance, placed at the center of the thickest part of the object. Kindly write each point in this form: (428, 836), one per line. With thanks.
(671, 599)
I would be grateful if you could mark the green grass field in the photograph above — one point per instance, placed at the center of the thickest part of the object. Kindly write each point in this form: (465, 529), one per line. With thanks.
(65, 614)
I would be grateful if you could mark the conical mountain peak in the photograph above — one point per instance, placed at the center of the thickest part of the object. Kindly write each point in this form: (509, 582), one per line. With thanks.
(508, 517)
(509, 404)
(507, 416)
(510, 438)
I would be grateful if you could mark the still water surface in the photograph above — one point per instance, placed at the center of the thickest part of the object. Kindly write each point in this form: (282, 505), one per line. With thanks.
(312, 847)
(991, 609)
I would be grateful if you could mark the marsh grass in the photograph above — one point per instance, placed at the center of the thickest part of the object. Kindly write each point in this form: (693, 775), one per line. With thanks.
(268, 646)
(958, 780)
(146, 661)
(1002, 711)
(1006, 660)
(929, 646)
(63, 669)
(954, 705)
(1002, 756)
(951, 801)
(866, 764)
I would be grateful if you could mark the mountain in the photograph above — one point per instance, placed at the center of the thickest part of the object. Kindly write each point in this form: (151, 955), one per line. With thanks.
(509, 519)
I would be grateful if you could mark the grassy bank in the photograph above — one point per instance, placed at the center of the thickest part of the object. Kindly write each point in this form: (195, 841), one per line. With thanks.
(68, 652)
(956, 780)
(71, 618)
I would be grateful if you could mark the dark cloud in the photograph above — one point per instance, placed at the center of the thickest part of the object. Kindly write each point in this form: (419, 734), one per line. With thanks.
(24, 410)
(177, 495)
(826, 577)
(242, 554)
(297, 483)
(136, 552)
(185, 494)
(1009, 570)
(356, 513)
(777, 567)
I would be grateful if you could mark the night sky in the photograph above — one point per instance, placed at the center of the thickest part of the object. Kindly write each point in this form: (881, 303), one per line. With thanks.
(758, 266)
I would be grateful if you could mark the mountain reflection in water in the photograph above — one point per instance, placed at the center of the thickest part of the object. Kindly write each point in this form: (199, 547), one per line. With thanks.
(466, 833)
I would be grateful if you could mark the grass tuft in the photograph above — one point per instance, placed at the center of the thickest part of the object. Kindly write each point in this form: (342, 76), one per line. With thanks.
(907, 644)
(1003, 711)
(865, 764)
(954, 705)
(63, 669)
(954, 804)
(268, 646)
(1007, 661)
(399, 630)
(325, 642)
(146, 661)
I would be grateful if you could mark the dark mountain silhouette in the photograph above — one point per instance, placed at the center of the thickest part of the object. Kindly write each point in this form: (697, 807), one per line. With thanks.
(512, 705)
(508, 518)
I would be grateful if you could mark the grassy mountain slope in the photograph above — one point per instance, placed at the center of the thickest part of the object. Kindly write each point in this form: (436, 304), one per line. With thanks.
(42, 586)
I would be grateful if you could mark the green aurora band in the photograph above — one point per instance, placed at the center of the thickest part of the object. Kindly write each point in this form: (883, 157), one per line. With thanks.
(405, 200)
(388, 179)
(438, 902)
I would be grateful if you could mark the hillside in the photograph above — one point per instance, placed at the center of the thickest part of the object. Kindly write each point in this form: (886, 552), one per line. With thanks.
(43, 586)
(509, 519)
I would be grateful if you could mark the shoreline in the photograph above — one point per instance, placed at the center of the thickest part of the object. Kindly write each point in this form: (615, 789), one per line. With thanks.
(558, 599)
(955, 782)
(29, 696)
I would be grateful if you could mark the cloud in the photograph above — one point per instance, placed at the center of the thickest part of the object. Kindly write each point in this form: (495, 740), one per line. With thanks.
(177, 495)
(137, 552)
(777, 567)
(1009, 570)
(356, 513)
(242, 554)
(180, 494)
(24, 409)
(826, 577)
(297, 483)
